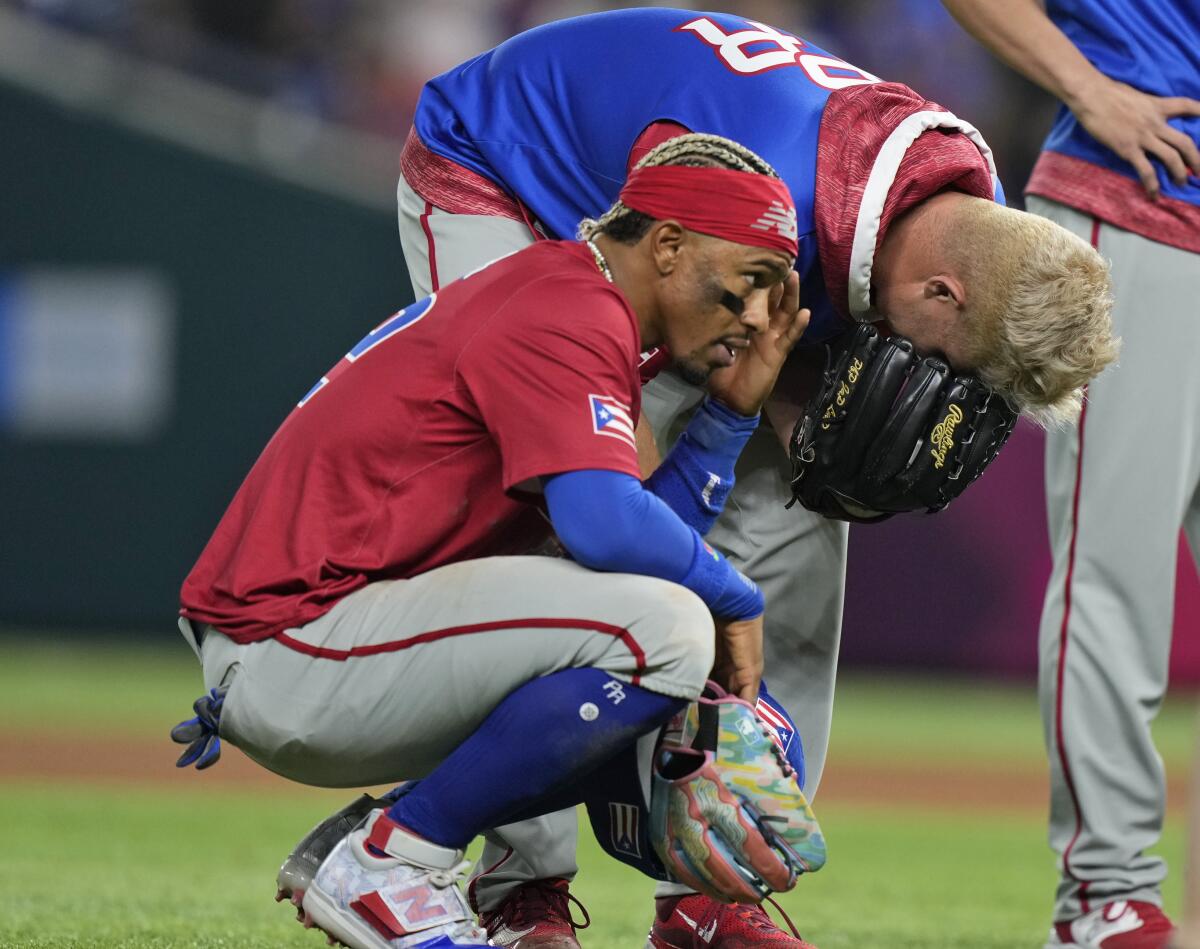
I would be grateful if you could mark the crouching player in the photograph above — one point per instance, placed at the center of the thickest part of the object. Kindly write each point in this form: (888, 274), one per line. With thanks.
(362, 612)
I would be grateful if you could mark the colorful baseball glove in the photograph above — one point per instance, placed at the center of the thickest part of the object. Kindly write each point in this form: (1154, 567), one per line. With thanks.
(891, 431)
(727, 817)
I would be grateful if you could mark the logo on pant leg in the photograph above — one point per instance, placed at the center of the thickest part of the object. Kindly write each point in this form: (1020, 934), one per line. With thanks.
(614, 691)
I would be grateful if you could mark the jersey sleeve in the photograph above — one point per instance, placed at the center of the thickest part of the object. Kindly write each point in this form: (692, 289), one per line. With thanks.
(554, 377)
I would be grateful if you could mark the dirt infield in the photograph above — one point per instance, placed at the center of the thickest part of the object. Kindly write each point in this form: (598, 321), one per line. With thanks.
(146, 762)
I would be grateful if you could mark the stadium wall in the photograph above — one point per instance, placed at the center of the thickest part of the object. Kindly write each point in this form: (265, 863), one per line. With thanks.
(260, 286)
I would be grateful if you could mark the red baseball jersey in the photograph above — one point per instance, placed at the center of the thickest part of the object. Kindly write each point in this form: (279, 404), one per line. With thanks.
(411, 453)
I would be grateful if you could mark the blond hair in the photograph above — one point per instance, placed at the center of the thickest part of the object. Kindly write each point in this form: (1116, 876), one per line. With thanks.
(1038, 310)
(696, 149)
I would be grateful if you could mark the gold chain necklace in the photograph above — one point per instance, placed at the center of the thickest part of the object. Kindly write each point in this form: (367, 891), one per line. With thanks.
(600, 261)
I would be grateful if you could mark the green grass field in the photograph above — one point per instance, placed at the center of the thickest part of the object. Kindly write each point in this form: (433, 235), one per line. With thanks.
(142, 857)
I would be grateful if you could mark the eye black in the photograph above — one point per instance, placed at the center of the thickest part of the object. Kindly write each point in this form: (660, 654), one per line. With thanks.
(732, 303)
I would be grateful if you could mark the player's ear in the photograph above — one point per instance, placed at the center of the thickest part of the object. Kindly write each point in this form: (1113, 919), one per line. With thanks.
(666, 240)
(947, 288)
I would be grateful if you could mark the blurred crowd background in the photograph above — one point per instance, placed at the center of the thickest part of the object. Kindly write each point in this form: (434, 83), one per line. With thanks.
(199, 218)
(362, 62)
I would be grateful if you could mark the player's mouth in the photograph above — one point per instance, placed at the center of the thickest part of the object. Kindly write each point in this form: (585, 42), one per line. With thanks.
(725, 350)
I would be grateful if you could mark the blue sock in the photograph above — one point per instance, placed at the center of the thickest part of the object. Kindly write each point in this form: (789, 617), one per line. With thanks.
(541, 738)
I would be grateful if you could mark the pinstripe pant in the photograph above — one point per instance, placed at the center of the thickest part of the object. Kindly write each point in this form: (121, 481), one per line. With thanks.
(1119, 488)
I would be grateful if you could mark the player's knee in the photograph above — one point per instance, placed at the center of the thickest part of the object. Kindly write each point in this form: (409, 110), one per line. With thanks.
(685, 640)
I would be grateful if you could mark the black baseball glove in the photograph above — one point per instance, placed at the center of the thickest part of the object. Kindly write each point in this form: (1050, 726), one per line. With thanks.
(892, 431)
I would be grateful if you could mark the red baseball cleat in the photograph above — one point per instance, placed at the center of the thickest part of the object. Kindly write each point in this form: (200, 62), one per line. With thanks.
(1122, 924)
(699, 922)
(535, 915)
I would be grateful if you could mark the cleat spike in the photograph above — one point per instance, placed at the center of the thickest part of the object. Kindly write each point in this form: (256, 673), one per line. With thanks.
(280, 896)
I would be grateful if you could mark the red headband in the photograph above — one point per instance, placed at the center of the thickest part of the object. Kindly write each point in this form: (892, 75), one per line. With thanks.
(738, 206)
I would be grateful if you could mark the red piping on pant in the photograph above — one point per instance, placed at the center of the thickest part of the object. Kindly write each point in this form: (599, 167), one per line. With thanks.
(395, 645)
(471, 895)
(1062, 647)
(433, 274)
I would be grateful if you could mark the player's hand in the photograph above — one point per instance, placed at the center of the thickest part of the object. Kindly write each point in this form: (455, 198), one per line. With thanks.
(744, 386)
(1134, 125)
(739, 664)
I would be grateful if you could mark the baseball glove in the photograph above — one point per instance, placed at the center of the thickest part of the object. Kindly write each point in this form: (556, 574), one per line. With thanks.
(727, 817)
(891, 431)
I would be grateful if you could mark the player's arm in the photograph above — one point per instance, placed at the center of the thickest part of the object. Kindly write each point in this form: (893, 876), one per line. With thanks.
(608, 521)
(647, 449)
(1132, 123)
(697, 475)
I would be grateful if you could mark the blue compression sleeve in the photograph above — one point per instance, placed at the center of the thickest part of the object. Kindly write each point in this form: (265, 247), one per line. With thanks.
(607, 521)
(696, 476)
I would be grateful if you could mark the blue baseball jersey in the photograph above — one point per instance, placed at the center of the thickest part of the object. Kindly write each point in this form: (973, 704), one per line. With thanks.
(550, 115)
(1152, 45)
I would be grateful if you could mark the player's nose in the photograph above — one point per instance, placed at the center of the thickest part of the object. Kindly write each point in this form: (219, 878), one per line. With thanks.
(756, 315)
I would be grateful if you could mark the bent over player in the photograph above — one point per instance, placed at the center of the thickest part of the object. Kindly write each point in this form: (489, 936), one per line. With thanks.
(361, 613)
(896, 217)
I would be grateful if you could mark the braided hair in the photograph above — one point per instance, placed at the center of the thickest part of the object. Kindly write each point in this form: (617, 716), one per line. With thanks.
(697, 150)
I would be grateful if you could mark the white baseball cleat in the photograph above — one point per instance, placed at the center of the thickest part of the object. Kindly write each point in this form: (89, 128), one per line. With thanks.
(404, 900)
(1121, 924)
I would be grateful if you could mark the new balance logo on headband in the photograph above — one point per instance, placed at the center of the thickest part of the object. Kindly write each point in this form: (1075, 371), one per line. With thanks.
(778, 218)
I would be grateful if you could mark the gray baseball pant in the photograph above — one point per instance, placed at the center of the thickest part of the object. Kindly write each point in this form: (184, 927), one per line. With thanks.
(392, 679)
(1119, 487)
(775, 547)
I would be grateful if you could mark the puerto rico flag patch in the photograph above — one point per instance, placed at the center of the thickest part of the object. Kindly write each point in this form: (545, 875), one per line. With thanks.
(611, 417)
(623, 825)
(778, 725)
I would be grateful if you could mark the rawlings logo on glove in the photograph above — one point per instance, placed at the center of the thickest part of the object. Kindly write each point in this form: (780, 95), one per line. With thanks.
(891, 431)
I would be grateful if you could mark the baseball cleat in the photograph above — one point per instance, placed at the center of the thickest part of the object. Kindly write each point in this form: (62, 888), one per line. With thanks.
(1121, 924)
(301, 864)
(696, 921)
(535, 915)
(383, 887)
